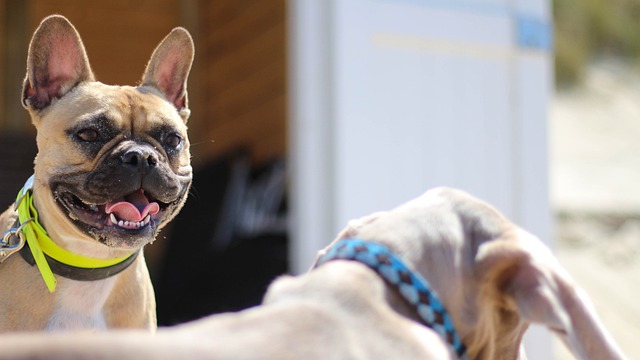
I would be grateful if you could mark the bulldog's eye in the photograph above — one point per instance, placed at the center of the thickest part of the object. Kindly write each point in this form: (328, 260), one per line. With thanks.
(88, 135)
(173, 140)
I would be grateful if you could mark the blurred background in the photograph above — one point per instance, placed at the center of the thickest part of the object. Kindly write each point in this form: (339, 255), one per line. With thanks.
(306, 114)
(594, 159)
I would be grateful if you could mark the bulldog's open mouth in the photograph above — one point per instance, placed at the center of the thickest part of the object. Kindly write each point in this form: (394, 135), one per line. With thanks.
(133, 213)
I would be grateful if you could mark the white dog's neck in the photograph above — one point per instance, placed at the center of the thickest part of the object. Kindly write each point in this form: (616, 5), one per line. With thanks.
(343, 274)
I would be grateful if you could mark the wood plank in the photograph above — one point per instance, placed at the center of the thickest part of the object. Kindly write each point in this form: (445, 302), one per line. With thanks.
(229, 67)
(98, 8)
(254, 19)
(247, 130)
(16, 44)
(222, 11)
(270, 147)
(245, 78)
(3, 58)
(239, 97)
(119, 35)
(253, 124)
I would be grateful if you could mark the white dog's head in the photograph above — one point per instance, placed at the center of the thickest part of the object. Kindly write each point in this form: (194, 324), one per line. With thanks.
(493, 277)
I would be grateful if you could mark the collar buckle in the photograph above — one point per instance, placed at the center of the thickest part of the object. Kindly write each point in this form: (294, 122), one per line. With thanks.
(12, 241)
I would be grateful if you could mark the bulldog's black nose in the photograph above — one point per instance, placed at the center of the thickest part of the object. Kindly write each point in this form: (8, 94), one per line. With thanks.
(139, 158)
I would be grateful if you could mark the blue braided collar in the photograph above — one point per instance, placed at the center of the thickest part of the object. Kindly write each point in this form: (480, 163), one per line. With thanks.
(412, 286)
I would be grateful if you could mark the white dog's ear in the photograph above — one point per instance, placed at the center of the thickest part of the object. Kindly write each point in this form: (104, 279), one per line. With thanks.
(528, 285)
(169, 66)
(56, 63)
(530, 281)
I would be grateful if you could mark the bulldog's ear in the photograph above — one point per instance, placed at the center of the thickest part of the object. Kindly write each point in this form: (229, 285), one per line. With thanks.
(56, 63)
(169, 66)
(525, 278)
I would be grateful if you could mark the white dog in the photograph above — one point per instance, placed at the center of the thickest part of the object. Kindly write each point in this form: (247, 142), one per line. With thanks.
(491, 277)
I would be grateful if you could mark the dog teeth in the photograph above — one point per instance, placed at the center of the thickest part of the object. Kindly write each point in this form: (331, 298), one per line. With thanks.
(130, 224)
(94, 208)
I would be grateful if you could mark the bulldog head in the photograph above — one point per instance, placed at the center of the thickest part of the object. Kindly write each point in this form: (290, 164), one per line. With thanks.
(113, 163)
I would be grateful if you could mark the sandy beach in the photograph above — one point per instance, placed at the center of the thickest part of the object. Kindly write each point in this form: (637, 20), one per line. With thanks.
(595, 192)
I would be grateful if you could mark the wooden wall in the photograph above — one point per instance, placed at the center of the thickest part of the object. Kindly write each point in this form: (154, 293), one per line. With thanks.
(243, 78)
(119, 35)
(13, 54)
(3, 55)
(237, 86)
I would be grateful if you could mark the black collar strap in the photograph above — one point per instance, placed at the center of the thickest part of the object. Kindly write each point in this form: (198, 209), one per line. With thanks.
(78, 273)
(412, 286)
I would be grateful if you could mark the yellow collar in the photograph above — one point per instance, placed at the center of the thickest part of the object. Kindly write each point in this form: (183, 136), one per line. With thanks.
(42, 247)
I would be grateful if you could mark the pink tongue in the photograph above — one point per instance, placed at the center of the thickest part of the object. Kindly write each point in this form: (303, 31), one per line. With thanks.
(134, 208)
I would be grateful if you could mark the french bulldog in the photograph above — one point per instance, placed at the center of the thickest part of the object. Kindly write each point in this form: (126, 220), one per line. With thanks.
(113, 167)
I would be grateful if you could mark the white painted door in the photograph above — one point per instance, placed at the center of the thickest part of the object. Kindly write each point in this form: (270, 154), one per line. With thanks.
(392, 97)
